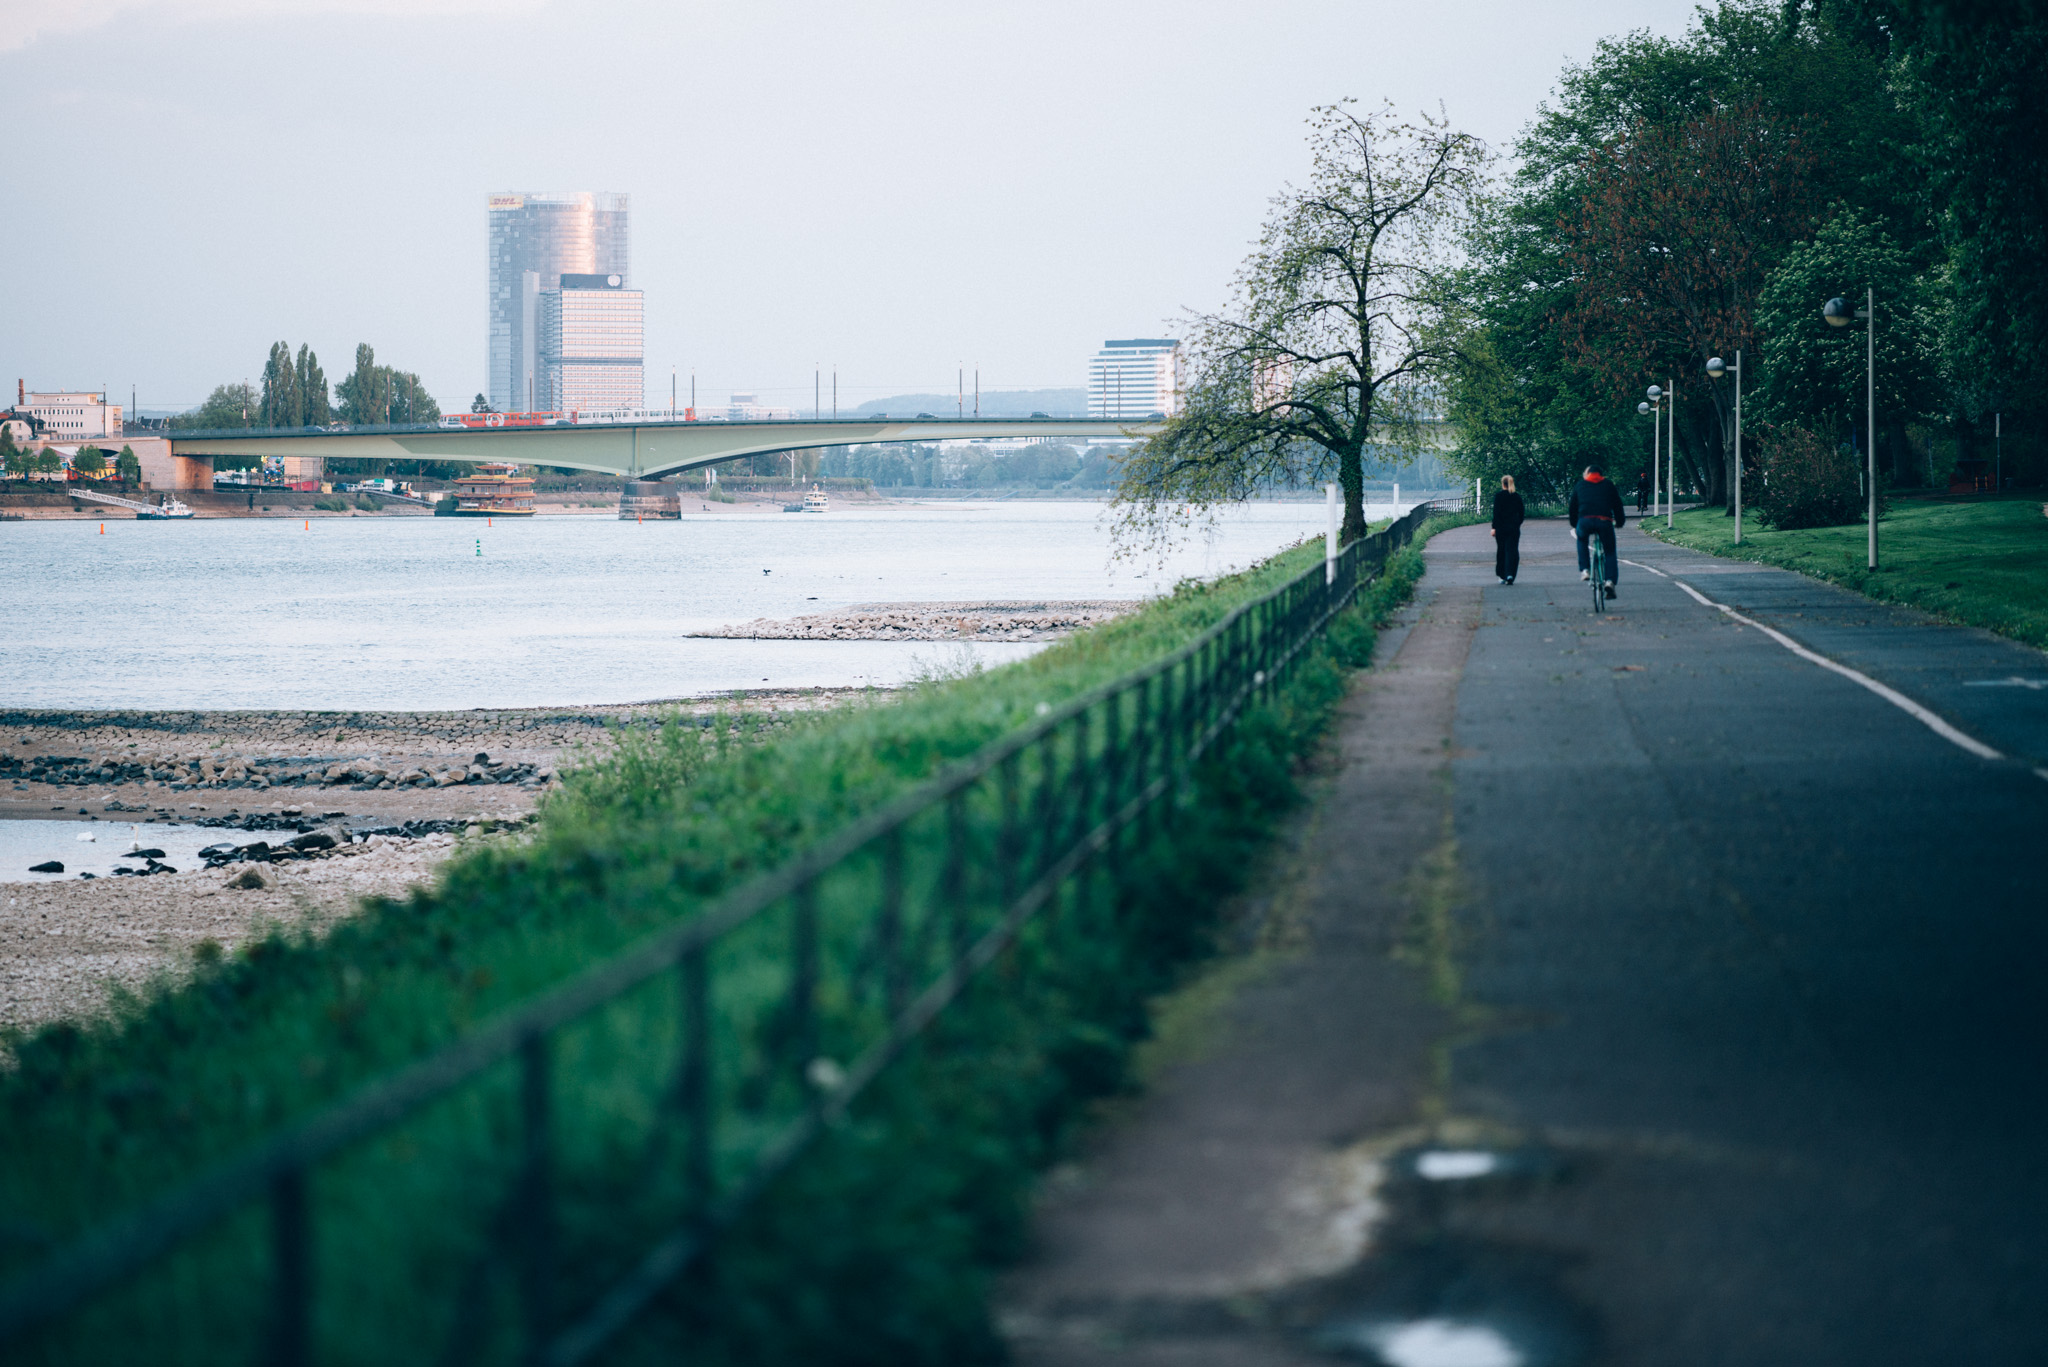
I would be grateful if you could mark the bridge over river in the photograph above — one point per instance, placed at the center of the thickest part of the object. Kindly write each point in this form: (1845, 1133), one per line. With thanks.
(639, 450)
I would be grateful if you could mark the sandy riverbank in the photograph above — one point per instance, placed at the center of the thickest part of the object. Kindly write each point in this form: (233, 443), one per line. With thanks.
(65, 944)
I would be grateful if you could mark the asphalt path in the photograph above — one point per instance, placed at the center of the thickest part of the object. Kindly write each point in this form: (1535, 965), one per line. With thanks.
(1640, 988)
(1759, 956)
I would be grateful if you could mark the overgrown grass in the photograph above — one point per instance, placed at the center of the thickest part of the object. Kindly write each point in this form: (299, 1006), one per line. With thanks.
(874, 1249)
(1982, 561)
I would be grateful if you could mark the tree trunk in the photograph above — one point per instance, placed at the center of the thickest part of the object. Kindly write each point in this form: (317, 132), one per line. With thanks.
(1709, 468)
(1906, 473)
(1351, 474)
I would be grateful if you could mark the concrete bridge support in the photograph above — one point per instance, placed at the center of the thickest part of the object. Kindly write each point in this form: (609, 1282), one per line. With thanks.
(645, 498)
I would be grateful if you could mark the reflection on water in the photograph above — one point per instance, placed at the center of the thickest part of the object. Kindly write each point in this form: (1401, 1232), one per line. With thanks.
(449, 613)
(97, 847)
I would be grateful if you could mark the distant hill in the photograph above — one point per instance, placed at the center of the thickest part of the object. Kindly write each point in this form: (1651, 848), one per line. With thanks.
(995, 403)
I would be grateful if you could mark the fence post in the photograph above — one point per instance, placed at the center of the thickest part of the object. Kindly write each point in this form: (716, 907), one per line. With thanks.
(693, 1086)
(1332, 512)
(803, 986)
(536, 1213)
(1006, 835)
(955, 881)
(890, 929)
(291, 1260)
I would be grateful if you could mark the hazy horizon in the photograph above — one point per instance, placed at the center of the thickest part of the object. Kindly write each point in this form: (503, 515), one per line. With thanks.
(896, 191)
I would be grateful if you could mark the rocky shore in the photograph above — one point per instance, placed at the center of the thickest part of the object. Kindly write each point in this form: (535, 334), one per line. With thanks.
(1020, 621)
(66, 946)
(316, 810)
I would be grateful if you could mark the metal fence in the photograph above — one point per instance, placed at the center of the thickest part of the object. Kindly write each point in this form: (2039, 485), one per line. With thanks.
(713, 1053)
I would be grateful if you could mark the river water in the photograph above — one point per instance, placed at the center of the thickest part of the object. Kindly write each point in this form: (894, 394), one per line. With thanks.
(402, 613)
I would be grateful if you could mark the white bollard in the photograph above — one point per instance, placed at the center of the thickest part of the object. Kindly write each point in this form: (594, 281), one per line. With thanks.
(1335, 508)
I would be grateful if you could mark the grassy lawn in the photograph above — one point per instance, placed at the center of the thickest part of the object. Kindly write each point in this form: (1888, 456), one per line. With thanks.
(1982, 561)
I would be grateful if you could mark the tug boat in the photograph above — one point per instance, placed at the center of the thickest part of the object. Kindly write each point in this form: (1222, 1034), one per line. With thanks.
(165, 510)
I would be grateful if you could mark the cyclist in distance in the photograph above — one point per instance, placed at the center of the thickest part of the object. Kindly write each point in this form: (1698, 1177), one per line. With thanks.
(1595, 510)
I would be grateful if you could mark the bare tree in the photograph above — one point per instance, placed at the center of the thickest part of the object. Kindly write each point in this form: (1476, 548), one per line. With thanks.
(1337, 324)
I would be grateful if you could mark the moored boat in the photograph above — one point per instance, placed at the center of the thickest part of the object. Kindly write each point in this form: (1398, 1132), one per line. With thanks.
(497, 489)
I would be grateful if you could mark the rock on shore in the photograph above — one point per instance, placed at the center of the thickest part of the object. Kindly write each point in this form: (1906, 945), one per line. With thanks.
(933, 622)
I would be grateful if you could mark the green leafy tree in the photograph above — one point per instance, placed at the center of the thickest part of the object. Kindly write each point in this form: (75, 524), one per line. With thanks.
(128, 466)
(1670, 244)
(366, 394)
(1970, 73)
(1532, 400)
(282, 403)
(410, 401)
(1334, 326)
(90, 462)
(229, 406)
(313, 408)
(480, 404)
(1812, 374)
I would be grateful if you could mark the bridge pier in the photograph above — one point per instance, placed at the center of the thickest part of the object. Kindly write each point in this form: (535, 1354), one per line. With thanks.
(642, 498)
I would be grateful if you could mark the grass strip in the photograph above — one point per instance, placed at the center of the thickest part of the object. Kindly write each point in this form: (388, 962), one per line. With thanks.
(875, 1248)
(1979, 561)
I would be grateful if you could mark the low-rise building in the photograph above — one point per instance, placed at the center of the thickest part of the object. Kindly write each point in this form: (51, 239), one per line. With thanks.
(70, 415)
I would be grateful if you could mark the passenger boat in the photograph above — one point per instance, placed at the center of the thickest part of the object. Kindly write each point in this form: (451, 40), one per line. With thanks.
(497, 489)
(815, 501)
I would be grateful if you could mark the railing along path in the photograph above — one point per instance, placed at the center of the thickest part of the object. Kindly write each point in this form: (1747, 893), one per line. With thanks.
(1096, 766)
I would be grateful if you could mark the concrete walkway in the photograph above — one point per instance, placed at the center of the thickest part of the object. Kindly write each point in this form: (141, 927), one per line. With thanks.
(1640, 991)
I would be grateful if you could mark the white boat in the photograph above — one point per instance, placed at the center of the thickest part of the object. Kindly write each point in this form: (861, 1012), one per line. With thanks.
(816, 502)
(163, 511)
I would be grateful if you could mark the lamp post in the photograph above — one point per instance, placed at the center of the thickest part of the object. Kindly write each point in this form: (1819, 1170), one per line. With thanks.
(1717, 368)
(1653, 409)
(1663, 407)
(1838, 315)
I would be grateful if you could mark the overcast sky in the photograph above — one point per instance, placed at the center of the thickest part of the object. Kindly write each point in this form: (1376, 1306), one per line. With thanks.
(891, 188)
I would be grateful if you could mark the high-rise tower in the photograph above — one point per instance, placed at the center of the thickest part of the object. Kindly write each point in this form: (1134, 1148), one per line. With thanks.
(535, 239)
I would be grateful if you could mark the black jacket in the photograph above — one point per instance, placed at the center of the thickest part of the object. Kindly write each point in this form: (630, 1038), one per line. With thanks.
(1596, 496)
(1507, 511)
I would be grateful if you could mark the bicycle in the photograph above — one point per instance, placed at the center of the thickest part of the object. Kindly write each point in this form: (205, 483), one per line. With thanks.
(1596, 556)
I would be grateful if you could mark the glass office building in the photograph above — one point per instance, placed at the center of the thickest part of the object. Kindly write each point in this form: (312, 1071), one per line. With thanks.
(535, 239)
(591, 345)
(1135, 379)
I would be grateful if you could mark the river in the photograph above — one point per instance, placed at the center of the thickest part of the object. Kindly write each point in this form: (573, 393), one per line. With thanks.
(431, 613)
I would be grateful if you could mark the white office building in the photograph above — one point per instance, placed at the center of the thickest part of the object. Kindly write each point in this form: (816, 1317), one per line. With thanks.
(1135, 379)
(72, 416)
(592, 345)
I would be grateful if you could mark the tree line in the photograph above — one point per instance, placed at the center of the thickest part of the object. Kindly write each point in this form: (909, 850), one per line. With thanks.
(295, 393)
(1676, 199)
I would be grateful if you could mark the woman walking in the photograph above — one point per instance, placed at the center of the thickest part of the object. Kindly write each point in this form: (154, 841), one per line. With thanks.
(1507, 531)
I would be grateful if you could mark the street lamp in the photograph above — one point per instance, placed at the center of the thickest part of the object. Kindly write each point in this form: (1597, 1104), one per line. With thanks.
(1838, 315)
(1716, 368)
(1663, 405)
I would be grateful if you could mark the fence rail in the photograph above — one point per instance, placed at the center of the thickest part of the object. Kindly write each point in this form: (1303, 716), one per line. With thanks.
(876, 929)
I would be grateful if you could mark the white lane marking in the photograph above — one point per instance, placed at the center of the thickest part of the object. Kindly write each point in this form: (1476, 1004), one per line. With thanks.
(2014, 682)
(1891, 695)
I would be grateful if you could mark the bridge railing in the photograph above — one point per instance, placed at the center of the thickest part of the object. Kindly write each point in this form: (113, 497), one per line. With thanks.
(710, 1055)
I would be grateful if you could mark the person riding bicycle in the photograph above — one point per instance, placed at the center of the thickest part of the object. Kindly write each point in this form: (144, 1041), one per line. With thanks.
(1595, 510)
(1642, 491)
